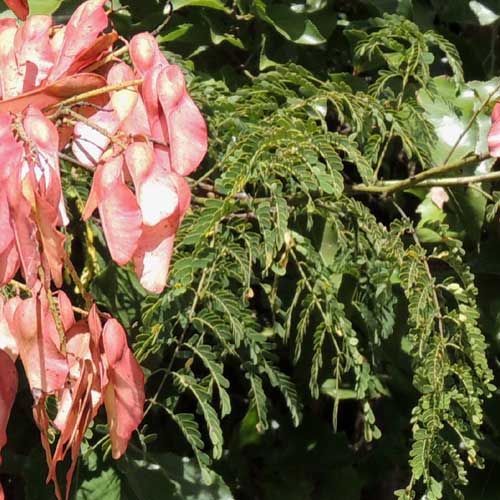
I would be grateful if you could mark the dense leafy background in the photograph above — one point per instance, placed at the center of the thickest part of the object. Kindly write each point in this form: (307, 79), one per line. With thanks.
(326, 334)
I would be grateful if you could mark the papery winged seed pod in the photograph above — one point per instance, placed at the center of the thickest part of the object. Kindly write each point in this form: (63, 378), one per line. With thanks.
(139, 131)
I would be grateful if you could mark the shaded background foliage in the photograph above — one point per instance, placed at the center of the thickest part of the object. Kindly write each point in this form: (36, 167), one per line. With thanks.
(324, 334)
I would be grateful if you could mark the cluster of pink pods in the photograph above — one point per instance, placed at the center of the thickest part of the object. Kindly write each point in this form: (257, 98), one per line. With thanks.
(139, 131)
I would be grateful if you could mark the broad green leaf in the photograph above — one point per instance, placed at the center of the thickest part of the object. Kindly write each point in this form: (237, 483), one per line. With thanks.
(169, 476)
(218, 34)
(450, 112)
(296, 25)
(44, 7)
(487, 89)
(429, 214)
(176, 33)
(247, 432)
(470, 207)
(429, 211)
(106, 486)
(296, 28)
(211, 4)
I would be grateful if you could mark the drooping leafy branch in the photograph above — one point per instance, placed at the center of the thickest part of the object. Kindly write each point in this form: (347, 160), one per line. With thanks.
(275, 229)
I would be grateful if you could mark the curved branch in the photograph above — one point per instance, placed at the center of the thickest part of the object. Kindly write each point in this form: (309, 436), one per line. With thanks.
(387, 187)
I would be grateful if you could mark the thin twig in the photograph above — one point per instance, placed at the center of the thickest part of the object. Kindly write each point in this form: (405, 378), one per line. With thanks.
(457, 181)
(20, 286)
(393, 186)
(81, 98)
(54, 311)
(89, 300)
(80, 118)
(66, 157)
(105, 60)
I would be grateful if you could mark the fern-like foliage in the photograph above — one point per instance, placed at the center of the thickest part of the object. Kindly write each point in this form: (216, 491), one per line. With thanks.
(279, 268)
(451, 369)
